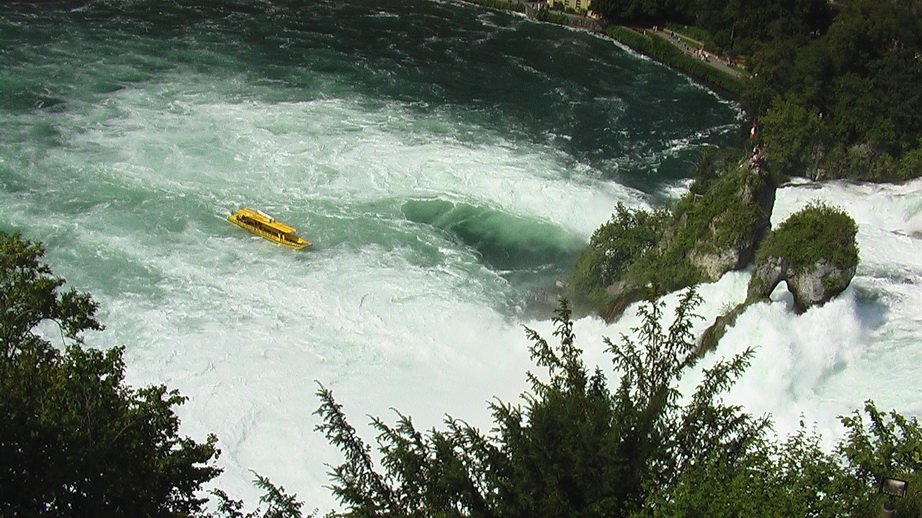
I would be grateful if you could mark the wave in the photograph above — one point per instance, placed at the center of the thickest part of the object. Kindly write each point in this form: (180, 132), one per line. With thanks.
(504, 241)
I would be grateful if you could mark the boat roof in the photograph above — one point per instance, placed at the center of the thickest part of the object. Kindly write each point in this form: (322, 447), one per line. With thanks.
(266, 219)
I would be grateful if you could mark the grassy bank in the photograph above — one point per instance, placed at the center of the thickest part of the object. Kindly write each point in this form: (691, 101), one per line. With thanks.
(509, 5)
(670, 55)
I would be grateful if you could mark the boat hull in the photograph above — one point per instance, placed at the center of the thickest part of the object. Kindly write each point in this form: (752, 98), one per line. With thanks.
(264, 226)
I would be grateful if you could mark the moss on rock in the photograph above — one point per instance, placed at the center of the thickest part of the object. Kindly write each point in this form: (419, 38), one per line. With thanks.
(704, 236)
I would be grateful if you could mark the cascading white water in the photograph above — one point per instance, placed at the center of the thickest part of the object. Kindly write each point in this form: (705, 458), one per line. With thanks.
(132, 134)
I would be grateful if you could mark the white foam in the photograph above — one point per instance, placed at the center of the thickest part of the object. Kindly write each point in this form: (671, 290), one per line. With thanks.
(860, 346)
(245, 328)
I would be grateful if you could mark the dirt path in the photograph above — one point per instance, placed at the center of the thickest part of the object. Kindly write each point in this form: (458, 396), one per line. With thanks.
(694, 47)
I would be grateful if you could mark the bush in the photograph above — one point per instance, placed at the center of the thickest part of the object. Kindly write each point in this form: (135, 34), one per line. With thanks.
(546, 15)
(818, 231)
(613, 248)
(576, 448)
(74, 439)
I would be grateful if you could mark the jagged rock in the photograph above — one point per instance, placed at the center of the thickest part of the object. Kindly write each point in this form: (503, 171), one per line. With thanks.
(714, 265)
(623, 293)
(812, 287)
(814, 252)
(766, 275)
(714, 233)
(809, 288)
(820, 285)
(713, 256)
(713, 334)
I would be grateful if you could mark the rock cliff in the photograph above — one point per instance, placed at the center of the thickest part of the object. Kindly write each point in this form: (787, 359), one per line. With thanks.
(710, 234)
(814, 252)
(813, 286)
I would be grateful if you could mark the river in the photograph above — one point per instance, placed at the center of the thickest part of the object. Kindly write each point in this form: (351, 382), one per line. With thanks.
(446, 161)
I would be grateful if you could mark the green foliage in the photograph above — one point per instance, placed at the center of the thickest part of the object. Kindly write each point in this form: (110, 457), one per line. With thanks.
(546, 15)
(888, 446)
(278, 503)
(706, 172)
(74, 439)
(851, 94)
(576, 448)
(580, 448)
(720, 217)
(738, 26)
(691, 35)
(668, 54)
(715, 221)
(628, 236)
(818, 231)
(586, 286)
(797, 477)
(501, 4)
(792, 132)
(910, 165)
(838, 95)
(743, 25)
(639, 248)
(791, 478)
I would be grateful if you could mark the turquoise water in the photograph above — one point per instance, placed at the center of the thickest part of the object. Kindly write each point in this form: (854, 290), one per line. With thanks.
(338, 117)
(446, 160)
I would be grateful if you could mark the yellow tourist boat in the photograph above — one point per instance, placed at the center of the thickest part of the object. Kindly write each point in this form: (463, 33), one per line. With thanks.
(264, 225)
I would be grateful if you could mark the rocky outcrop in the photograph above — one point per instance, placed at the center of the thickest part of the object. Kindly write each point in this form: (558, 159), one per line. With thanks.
(811, 287)
(714, 256)
(714, 264)
(711, 234)
(814, 252)
(623, 293)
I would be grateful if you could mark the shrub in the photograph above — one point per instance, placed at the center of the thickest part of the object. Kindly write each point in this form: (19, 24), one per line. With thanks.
(817, 231)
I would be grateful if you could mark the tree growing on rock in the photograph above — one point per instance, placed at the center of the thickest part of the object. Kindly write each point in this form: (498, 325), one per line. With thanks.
(814, 251)
(714, 229)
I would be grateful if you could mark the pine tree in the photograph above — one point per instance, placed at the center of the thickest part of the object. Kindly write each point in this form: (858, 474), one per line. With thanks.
(574, 448)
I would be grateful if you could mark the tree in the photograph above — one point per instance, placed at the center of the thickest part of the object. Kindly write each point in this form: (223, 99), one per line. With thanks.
(859, 77)
(613, 247)
(74, 439)
(792, 137)
(279, 504)
(881, 445)
(576, 448)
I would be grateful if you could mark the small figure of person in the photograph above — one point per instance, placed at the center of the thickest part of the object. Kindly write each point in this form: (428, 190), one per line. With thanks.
(756, 159)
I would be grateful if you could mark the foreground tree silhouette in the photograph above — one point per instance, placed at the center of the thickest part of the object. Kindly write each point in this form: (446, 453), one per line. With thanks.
(575, 448)
(74, 439)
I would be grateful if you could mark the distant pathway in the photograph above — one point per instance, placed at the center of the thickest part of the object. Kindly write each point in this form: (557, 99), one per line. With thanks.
(689, 46)
(715, 61)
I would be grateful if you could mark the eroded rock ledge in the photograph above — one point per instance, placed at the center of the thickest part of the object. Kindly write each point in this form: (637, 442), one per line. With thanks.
(814, 252)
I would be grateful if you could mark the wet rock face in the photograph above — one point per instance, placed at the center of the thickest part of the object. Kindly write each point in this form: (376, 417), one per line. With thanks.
(818, 286)
(714, 265)
(811, 287)
(724, 227)
(766, 275)
(714, 258)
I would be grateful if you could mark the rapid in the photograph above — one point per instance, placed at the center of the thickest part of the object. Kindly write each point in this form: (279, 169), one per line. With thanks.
(446, 161)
